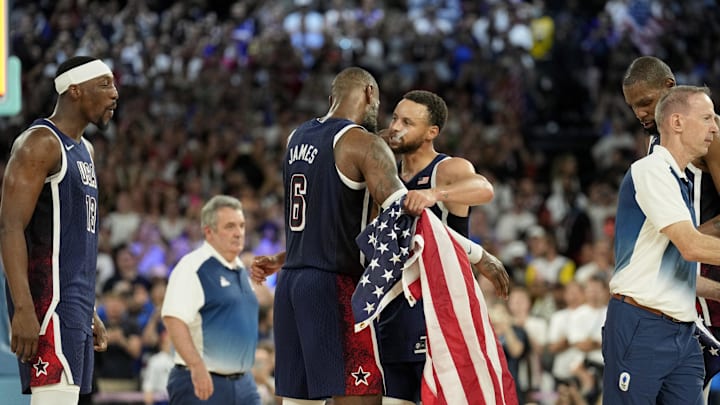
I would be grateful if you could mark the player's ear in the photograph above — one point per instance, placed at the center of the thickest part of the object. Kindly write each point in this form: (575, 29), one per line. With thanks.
(433, 132)
(74, 91)
(369, 93)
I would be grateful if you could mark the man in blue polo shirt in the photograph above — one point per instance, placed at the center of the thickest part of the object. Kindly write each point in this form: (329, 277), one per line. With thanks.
(211, 314)
(650, 352)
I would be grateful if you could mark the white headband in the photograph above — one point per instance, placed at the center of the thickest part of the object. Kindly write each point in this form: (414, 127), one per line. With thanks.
(80, 74)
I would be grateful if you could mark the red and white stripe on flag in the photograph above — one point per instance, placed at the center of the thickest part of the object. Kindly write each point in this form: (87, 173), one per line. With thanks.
(465, 361)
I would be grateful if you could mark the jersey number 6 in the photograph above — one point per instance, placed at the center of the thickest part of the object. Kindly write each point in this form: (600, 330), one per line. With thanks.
(298, 189)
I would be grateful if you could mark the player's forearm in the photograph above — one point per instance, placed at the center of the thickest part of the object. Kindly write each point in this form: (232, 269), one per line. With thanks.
(14, 255)
(470, 192)
(280, 258)
(707, 288)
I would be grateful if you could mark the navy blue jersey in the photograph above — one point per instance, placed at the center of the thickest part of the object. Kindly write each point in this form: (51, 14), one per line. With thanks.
(401, 329)
(425, 179)
(324, 210)
(61, 242)
(62, 238)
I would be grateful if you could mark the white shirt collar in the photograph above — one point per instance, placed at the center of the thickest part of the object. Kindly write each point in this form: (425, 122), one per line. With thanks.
(667, 157)
(211, 251)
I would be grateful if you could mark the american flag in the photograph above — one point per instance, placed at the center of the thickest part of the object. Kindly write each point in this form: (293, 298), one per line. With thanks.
(710, 349)
(465, 363)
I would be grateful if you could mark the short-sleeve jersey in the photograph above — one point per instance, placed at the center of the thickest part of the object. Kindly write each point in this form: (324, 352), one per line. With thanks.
(654, 194)
(215, 300)
(62, 238)
(324, 210)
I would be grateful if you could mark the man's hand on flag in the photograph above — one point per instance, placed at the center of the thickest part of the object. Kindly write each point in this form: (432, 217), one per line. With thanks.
(493, 269)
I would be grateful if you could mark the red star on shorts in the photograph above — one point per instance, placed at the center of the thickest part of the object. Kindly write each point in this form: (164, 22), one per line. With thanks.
(361, 376)
(40, 367)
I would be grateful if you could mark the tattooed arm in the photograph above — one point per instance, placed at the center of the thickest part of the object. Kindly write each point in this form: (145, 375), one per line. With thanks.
(364, 157)
(493, 269)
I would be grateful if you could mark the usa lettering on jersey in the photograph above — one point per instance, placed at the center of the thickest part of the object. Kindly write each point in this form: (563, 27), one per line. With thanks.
(87, 173)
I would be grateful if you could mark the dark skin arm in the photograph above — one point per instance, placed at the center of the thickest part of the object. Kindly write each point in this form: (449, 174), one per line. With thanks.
(493, 269)
(365, 157)
(35, 155)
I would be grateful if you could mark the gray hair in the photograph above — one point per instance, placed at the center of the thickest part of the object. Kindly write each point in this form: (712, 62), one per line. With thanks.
(208, 215)
(676, 100)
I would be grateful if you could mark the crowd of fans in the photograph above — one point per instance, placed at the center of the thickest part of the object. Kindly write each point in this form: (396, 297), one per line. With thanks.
(209, 91)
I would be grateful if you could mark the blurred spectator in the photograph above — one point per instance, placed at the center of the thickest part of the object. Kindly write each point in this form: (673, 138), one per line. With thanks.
(601, 207)
(123, 221)
(602, 262)
(126, 270)
(116, 368)
(148, 248)
(565, 326)
(513, 223)
(172, 222)
(547, 264)
(154, 327)
(263, 371)
(157, 371)
(513, 338)
(530, 372)
(586, 335)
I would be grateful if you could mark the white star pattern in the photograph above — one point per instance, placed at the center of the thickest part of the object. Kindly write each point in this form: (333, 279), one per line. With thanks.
(385, 243)
(372, 240)
(710, 350)
(383, 248)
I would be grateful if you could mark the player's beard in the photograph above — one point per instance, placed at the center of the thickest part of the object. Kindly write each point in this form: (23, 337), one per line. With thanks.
(102, 125)
(370, 119)
(652, 130)
(370, 124)
(408, 147)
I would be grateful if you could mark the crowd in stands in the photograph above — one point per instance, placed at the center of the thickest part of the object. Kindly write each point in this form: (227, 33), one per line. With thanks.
(209, 91)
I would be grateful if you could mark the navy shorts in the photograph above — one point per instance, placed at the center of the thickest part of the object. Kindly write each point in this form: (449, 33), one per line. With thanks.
(318, 354)
(71, 351)
(402, 340)
(403, 380)
(650, 359)
(226, 391)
